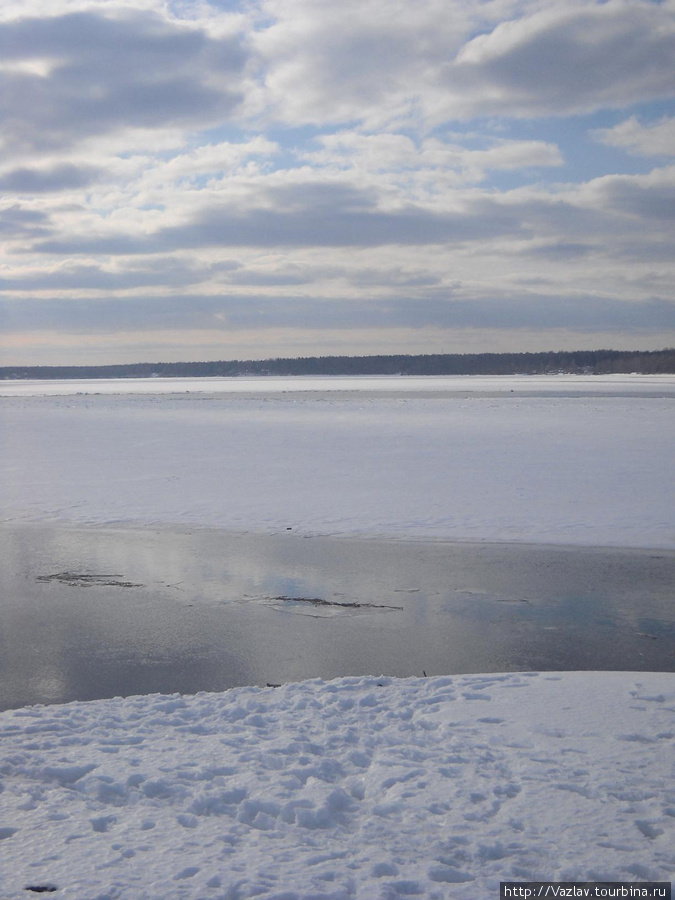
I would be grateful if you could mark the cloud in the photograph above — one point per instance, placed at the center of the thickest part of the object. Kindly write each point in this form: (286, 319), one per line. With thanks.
(212, 159)
(561, 250)
(311, 214)
(386, 62)
(167, 271)
(48, 180)
(568, 59)
(293, 212)
(351, 61)
(396, 277)
(263, 313)
(395, 160)
(17, 221)
(274, 277)
(362, 167)
(68, 77)
(657, 139)
(645, 198)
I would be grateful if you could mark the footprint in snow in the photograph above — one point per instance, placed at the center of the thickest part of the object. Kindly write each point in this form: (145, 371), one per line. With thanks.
(189, 872)
(649, 829)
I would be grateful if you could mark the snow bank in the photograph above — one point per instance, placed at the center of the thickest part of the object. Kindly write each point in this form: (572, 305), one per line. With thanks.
(359, 787)
(593, 470)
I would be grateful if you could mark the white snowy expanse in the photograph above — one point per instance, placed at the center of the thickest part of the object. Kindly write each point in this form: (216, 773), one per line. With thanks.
(474, 384)
(563, 459)
(362, 788)
(354, 788)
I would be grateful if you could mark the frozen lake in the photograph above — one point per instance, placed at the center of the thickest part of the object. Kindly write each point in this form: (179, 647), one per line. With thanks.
(186, 535)
(178, 538)
(378, 385)
(559, 460)
(95, 612)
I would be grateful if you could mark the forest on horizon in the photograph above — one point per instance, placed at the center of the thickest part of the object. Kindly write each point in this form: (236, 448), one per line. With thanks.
(581, 362)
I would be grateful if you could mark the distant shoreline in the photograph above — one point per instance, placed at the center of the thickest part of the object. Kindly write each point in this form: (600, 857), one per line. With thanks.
(580, 362)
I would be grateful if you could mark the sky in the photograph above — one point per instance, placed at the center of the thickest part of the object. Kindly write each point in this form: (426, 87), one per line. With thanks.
(213, 179)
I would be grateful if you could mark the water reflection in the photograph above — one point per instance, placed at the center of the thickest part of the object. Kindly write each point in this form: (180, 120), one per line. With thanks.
(188, 611)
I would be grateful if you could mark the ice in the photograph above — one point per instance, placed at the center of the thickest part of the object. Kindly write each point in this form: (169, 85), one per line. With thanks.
(577, 468)
(560, 385)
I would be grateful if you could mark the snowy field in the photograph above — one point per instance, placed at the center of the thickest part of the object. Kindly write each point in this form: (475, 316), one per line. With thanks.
(364, 788)
(359, 787)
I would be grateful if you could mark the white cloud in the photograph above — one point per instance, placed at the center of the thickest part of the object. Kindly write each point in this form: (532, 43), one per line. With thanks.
(386, 62)
(565, 59)
(109, 72)
(224, 157)
(356, 60)
(390, 153)
(428, 172)
(644, 200)
(657, 139)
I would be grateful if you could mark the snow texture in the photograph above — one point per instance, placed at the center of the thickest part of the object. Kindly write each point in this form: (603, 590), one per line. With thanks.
(358, 787)
(567, 465)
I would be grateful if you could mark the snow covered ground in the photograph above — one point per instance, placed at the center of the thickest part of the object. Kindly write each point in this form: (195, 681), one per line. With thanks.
(359, 787)
(362, 788)
(564, 466)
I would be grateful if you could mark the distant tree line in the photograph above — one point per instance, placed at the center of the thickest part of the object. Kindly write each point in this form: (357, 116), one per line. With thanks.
(591, 362)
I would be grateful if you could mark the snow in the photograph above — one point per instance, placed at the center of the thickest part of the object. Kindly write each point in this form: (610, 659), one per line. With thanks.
(565, 465)
(357, 787)
(360, 787)
(472, 384)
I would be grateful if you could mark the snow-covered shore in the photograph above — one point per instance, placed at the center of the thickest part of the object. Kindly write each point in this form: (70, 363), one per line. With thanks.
(353, 788)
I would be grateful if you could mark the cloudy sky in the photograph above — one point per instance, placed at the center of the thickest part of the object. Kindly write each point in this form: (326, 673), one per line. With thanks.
(214, 179)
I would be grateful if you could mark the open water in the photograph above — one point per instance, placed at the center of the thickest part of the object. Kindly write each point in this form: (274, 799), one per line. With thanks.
(88, 613)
